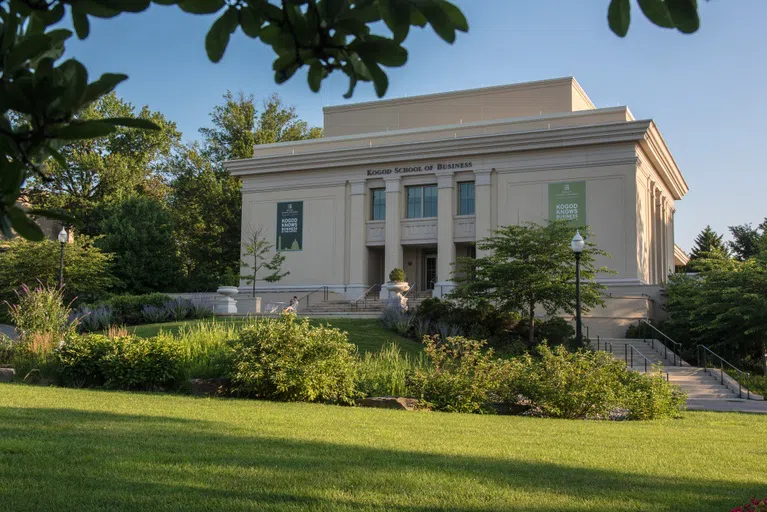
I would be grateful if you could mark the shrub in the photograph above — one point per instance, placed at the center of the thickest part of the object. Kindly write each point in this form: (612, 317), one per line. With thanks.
(81, 358)
(397, 275)
(649, 396)
(127, 309)
(7, 350)
(480, 322)
(556, 331)
(143, 363)
(461, 376)
(385, 373)
(153, 314)
(200, 310)
(96, 318)
(565, 384)
(587, 384)
(124, 362)
(288, 360)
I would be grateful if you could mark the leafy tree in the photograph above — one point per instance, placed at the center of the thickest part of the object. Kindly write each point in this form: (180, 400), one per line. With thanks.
(529, 266)
(324, 35)
(257, 248)
(87, 274)
(106, 170)
(140, 232)
(724, 309)
(206, 200)
(708, 244)
(746, 240)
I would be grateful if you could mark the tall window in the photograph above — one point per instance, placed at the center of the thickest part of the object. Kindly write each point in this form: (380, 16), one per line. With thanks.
(466, 198)
(378, 204)
(421, 201)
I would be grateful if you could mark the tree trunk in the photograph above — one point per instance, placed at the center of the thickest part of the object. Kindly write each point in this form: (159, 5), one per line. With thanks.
(764, 350)
(531, 335)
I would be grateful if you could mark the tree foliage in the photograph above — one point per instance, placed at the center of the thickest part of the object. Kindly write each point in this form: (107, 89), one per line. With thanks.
(747, 242)
(256, 257)
(140, 232)
(87, 274)
(324, 36)
(103, 171)
(724, 309)
(529, 266)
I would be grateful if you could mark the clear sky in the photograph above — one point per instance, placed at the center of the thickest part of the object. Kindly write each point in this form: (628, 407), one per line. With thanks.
(706, 92)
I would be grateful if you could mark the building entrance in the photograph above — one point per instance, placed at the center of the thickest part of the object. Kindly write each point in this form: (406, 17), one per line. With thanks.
(429, 271)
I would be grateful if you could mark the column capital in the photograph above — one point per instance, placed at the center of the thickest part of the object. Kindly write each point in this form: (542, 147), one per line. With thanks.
(482, 177)
(393, 183)
(358, 187)
(444, 179)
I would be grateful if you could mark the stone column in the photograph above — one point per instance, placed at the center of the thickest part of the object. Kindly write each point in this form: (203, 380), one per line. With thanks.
(358, 254)
(658, 237)
(670, 256)
(482, 207)
(664, 239)
(651, 231)
(445, 238)
(393, 251)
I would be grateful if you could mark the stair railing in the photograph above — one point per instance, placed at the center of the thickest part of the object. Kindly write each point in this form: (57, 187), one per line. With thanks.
(415, 285)
(607, 345)
(676, 347)
(364, 297)
(323, 289)
(629, 357)
(705, 353)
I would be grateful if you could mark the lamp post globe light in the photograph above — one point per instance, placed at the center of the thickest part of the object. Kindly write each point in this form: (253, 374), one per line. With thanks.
(577, 245)
(63, 239)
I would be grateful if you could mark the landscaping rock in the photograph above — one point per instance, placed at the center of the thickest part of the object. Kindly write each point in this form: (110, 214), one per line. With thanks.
(390, 402)
(7, 374)
(210, 387)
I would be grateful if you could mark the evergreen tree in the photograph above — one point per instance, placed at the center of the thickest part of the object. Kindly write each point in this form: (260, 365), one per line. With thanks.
(709, 244)
(747, 241)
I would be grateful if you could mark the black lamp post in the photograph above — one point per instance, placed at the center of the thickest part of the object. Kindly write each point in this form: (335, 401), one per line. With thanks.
(577, 246)
(63, 239)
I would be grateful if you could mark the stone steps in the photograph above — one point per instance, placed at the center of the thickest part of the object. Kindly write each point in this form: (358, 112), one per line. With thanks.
(698, 384)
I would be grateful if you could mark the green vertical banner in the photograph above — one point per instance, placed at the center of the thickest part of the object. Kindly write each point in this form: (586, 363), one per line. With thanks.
(567, 201)
(290, 226)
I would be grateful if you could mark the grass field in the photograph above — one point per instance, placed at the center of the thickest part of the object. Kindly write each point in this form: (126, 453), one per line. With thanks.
(80, 450)
(366, 333)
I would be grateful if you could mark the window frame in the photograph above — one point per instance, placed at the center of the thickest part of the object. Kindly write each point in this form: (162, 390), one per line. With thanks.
(373, 204)
(472, 200)
(433, 201)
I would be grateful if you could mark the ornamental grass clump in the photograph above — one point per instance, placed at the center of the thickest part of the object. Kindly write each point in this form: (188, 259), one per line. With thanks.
(207, 348)
(385, 373)
(289, 360)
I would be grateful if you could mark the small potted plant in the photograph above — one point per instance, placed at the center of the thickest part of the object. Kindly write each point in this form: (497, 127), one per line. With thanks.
(397, 281)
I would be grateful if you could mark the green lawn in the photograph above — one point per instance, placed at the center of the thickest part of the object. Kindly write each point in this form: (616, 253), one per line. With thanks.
(80, 450)
(367, 333)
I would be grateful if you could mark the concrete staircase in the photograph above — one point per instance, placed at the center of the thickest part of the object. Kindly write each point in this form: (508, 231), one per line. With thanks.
(698, 384)
(373, 305)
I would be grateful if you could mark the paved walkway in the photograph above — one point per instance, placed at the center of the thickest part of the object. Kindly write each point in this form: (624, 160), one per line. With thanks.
(8, 330)
(751, 406)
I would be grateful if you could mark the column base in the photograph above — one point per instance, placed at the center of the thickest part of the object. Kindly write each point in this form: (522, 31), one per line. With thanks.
(442, 289)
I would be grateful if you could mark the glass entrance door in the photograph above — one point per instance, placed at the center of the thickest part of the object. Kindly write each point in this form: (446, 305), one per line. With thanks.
(429, 270)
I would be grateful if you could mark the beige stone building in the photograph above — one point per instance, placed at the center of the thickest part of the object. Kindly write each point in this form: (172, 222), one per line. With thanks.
(414, 182)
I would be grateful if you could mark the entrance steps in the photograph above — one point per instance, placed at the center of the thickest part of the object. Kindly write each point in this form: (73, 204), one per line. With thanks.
(698, 384)
(371, 305)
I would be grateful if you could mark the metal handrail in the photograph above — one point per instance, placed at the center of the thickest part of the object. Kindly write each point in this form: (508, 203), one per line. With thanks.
(676, 349)
(631, 352)
(354, 305)
(415, 285)
(323, 289)
(606, 344)
(723, 362)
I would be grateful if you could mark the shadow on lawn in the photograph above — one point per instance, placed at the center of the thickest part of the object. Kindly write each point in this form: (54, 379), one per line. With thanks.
(59, 459)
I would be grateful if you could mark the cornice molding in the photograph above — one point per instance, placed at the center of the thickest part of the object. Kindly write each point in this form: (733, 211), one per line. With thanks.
(476, 145)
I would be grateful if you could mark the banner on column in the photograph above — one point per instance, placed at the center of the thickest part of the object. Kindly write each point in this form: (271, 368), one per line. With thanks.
(290, 226)
(567, 201)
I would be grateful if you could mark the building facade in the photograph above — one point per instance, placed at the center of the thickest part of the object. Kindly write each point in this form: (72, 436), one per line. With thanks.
(414, 182)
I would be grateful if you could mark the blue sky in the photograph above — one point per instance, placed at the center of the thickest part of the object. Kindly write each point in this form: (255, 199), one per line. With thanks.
(706, 91)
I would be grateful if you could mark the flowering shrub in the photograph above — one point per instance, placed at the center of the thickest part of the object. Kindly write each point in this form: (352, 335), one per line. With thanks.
(753, 506)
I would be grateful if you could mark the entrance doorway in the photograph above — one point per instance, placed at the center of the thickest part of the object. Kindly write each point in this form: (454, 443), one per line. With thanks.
(429, 271)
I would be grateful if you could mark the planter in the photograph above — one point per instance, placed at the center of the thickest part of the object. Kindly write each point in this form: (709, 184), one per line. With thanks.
(397, 287)
(228, 291)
